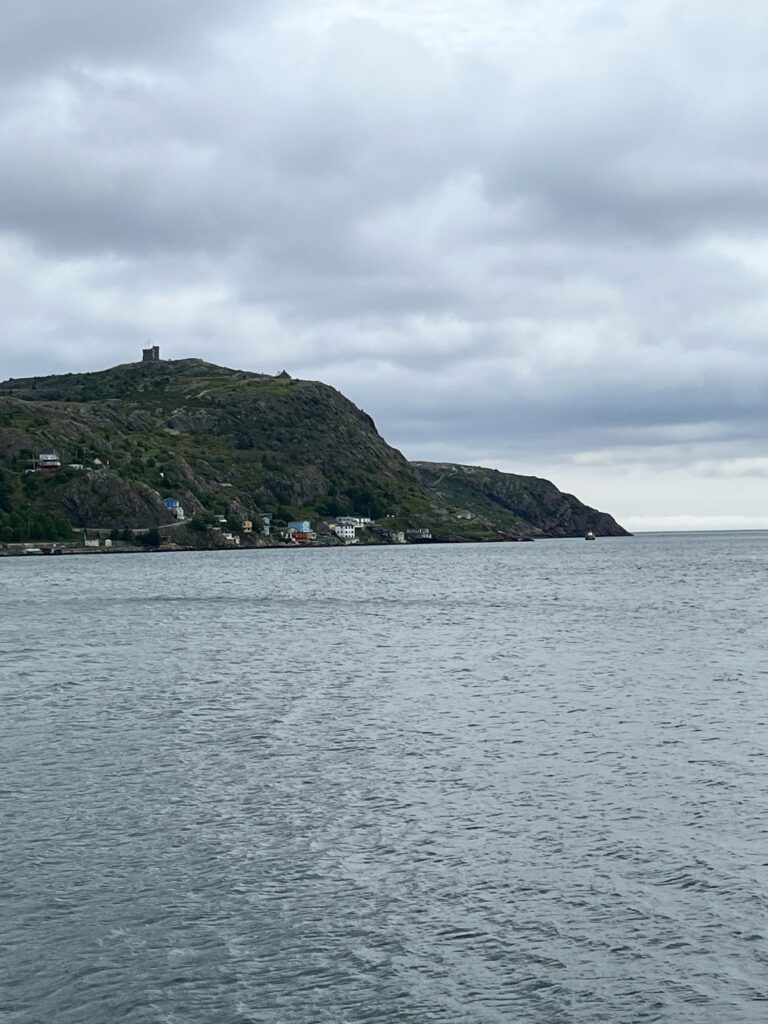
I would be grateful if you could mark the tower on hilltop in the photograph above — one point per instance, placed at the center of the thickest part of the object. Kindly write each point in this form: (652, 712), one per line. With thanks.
(151, 355)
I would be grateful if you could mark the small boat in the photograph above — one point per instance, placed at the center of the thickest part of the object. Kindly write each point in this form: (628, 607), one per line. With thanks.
(589, 535)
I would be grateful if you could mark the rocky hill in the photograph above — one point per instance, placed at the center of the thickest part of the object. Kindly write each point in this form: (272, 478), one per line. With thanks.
(525, 506)
(234, 443)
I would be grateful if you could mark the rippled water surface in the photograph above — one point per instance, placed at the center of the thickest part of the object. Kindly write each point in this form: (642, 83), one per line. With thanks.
(518, 783)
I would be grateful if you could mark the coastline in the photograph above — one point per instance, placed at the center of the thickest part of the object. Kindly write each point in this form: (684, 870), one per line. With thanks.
(69, 552)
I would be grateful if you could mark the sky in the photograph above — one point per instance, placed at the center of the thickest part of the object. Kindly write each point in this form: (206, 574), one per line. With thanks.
(527, 234)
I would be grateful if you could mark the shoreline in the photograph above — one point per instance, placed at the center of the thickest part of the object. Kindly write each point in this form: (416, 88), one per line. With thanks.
(79, 552)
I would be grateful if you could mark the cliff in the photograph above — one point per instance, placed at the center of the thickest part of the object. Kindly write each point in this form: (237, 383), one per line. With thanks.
(524, 506)
(235, 443)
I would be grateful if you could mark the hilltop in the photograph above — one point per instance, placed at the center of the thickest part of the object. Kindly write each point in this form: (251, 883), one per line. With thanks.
(236, 444)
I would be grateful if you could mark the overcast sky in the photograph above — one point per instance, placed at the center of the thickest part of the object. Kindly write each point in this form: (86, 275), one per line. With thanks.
(529, 234)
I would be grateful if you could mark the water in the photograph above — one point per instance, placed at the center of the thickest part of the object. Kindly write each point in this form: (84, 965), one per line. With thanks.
(518, 783)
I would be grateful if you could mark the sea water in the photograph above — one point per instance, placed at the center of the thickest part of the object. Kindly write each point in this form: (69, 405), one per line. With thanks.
(436, 784)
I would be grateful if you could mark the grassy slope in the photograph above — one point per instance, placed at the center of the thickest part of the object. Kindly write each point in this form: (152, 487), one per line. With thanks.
(233, 442)
(218, 439)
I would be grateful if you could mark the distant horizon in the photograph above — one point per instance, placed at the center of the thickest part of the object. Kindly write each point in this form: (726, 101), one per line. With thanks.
(648, 533)
(691, 524)
(676, 522)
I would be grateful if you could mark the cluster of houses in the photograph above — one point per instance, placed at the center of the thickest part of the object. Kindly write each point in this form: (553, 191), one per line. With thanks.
(265, 524)
(298, 531)
(346, 529)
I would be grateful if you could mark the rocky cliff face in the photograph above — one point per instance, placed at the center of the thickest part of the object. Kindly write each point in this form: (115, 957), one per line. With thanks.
(236, 443)
(523, 506)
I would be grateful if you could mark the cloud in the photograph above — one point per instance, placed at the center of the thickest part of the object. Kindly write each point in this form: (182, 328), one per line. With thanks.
(45, 37)
(535, 232)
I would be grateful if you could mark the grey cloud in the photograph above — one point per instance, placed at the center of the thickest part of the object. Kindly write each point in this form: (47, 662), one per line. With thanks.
(124, 166)
(473, 249)
(44, 37)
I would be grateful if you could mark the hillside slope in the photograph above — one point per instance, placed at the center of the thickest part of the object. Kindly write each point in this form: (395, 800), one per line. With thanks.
(524, 505)
(217, 439)
(235, 443)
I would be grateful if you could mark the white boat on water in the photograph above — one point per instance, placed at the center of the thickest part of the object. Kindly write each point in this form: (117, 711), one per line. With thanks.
(589, 535)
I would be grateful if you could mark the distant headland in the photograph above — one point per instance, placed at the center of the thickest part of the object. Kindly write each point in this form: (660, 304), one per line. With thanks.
(178, 454)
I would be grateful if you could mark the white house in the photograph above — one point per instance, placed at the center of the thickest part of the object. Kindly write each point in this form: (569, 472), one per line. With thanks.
(48, 458)
(344, 531)
(419, 534)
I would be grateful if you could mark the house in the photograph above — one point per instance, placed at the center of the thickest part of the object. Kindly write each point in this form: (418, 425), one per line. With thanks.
(359, 521)
(173, 505)
(394, 536)
(48, 458)
(344, 531)
(247, 526)
(300, 526)
(418, 535)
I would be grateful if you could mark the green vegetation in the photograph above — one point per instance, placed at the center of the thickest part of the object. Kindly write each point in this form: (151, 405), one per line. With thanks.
(523, 506)
(18, 527)
(231, 444)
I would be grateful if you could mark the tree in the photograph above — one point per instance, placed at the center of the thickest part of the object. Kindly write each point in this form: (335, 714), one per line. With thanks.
(331, 507)
(5, 491)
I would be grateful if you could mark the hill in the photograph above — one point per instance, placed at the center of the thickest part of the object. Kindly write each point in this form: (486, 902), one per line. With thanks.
(524, 506)
(235, 444)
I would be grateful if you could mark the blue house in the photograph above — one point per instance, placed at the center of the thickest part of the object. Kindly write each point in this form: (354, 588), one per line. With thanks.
(171, 503)
(300, 526)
